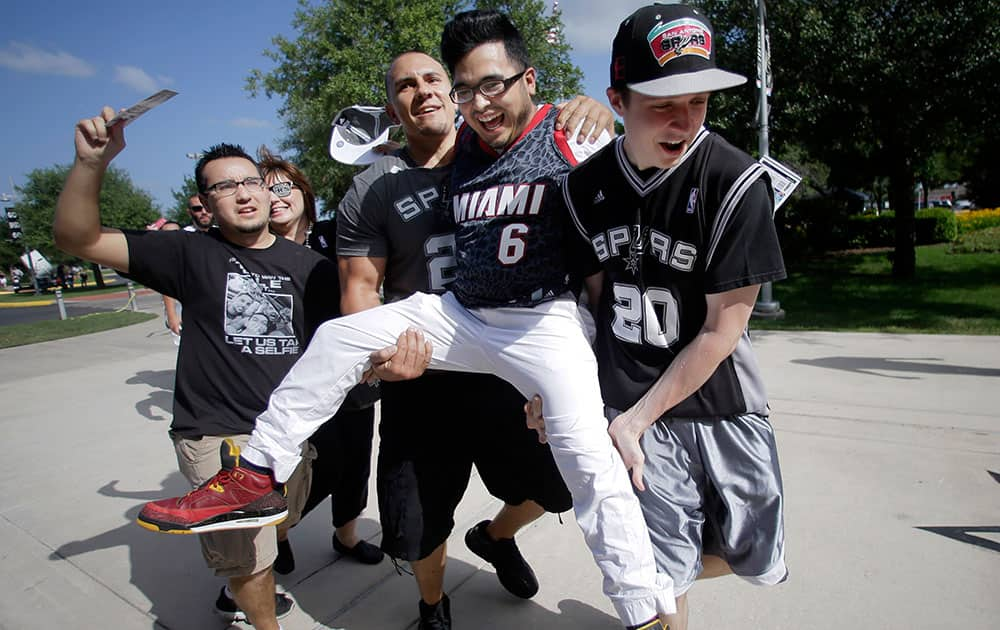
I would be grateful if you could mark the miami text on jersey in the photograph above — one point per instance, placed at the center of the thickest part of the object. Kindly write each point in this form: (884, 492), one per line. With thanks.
(498, 201)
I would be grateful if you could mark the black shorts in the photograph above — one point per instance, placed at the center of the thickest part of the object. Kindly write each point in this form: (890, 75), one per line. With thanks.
(433, 430)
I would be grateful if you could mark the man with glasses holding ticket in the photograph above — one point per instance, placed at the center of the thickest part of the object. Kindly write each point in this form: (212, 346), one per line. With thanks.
(227, 278)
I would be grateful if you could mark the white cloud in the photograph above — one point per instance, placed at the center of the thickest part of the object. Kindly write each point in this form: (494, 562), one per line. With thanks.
(26, 58)
(249, 123)
(139, 80)
(590, 25)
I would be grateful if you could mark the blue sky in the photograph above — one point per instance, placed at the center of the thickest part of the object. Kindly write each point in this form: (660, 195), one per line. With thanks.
(60, 61)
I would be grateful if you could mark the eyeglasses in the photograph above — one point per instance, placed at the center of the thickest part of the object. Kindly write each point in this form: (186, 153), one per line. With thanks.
(489, 88)
(197, 209)
(228, 187)
(282, 189)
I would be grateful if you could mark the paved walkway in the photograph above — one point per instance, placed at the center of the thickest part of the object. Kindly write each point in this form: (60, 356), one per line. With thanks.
(890, 447)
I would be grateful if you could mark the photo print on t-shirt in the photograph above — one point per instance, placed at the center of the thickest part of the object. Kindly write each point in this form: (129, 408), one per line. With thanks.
(258, 314)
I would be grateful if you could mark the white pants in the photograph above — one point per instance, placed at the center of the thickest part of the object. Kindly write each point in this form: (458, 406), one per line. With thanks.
(543, 350)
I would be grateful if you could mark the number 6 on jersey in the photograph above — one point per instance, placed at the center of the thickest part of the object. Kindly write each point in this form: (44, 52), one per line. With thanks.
(512, 243)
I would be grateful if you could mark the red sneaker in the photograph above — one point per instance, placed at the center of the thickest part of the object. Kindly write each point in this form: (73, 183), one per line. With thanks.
(235, 498)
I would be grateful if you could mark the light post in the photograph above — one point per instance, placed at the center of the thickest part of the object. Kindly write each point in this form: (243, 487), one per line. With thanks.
(766, 307)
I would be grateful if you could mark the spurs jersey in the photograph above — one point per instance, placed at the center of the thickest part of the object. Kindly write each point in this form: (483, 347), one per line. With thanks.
(395, 210)
(509, 215)
(665, 239)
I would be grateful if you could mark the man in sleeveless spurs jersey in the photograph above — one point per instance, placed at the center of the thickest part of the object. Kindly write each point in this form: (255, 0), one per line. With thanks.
(679, 222)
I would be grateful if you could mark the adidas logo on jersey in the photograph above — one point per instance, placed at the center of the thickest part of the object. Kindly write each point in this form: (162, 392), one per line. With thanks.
(599, 197)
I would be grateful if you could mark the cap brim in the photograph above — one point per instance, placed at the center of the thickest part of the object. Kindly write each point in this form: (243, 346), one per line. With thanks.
(346, 152)
(710, 80)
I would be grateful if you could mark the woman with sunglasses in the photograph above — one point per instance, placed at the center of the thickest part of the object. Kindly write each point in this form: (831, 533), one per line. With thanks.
(343, 448)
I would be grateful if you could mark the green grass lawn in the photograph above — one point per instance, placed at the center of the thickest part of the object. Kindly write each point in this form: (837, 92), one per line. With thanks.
(24, 334)
(953, 293)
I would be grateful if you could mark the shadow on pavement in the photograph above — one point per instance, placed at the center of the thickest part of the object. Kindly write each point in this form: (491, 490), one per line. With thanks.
(167, 570)
(161, 398)
(873, 365)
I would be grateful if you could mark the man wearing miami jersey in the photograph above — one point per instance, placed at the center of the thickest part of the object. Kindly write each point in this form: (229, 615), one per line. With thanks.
(394, 226)
(506, 314)
(680, 223)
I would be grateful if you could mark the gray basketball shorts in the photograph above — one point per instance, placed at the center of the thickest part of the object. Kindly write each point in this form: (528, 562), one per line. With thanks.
(713, 486)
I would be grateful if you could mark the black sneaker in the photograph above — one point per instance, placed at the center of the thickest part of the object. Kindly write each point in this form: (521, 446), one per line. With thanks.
(436, 617)
(227, 609)
(285, 562)
(364, 552)
(513, 572)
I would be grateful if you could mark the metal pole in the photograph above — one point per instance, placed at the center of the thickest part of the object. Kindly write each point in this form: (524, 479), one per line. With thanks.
(131, 296)
(766, 307)
(62, 305)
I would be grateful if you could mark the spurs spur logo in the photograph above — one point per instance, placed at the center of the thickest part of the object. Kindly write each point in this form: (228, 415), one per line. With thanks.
(681, 37)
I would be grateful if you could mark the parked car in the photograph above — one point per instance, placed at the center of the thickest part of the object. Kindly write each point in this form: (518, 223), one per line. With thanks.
(964, 204)
(939, 203)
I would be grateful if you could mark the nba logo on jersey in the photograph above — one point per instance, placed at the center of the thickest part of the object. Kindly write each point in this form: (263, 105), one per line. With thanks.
(692, 201)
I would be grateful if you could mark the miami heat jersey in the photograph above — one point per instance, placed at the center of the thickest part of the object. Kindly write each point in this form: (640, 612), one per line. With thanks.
(665, 239)
(509, 217)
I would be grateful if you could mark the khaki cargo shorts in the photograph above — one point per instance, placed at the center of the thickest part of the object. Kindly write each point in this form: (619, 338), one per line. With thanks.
(240, 552)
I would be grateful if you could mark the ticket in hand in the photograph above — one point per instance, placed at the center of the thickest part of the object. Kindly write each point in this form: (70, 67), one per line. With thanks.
(128, 115)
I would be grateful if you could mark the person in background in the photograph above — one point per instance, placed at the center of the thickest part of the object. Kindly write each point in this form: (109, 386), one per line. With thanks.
(201, 215)
(171, 307)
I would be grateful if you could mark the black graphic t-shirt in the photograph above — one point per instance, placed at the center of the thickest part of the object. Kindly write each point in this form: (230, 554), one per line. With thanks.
(248, 315)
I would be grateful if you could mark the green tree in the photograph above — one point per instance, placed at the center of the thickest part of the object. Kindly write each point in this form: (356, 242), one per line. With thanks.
(340, 56)
(558, 78)
(122, 206)
(871, 88)
(179, 212)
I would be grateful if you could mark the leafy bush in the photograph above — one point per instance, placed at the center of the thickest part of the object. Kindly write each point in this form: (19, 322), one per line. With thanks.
(932, 225)
(978, 220)
(868, 230)
(936, 225)
(986, 240)
(811, 225)
(817, 225)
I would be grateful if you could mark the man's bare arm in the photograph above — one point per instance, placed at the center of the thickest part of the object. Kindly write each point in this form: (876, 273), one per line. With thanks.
(77, 227)
(725, 321)
(360, 279)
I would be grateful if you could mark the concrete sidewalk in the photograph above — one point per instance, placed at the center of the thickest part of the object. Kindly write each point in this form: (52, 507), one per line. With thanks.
(890, 449)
